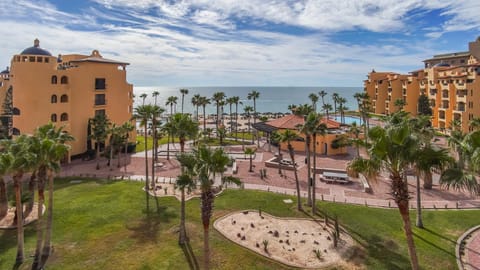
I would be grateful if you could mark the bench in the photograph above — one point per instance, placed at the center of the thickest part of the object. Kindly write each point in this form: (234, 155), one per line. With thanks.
(334, 177)
(365, 184)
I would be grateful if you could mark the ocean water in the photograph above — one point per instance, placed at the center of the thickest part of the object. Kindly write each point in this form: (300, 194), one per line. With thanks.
(272, 99)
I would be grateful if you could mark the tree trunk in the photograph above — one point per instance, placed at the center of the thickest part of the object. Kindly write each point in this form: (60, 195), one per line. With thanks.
(204, 119)
(152, 181)
(251, 167)
(3, 199)
(427, 181)
(48, 231)
(17, 185)
(168, 146)
(119, 152)
(297, 184)
(419, 221)
(40, 222)
(31, 193)
(97, 155)
(126, 156)
(182, 144)
(183, 232)
(146, 171)
(207, 209)
(314, 177)
(236, 121)
(309, 175)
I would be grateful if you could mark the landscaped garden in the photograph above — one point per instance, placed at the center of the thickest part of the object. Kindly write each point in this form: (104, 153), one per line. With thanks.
(100, 224)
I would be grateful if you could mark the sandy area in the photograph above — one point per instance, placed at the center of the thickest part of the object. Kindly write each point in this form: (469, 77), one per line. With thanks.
(166, 190)
(290, 241)
(7, 221)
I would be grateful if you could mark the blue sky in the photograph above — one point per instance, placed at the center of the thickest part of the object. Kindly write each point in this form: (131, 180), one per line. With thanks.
(244, 43)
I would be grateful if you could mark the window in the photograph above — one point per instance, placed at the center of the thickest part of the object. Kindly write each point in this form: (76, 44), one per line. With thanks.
(16, 111)
(64, 80)
(46, 59)
(53, 99)
(64, 117)
(99, 112)
(100, 83)
(53, 117)
(39, 59)
(100, 99)
(31, 59)
(64, 99)
(54, 79)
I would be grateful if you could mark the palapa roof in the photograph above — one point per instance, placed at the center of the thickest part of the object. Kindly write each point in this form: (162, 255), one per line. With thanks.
(291, 121)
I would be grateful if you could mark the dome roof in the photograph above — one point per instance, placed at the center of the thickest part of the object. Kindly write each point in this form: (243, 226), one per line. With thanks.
(36, 50)
(442, 64)
(6, 71)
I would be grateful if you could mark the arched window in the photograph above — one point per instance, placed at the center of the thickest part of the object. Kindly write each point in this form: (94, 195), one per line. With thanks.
(15, 131)
(64, 117)
(64, 99)
(64, 80)
(54, 79)
(53, 99)
(53, 117)
(16, 111)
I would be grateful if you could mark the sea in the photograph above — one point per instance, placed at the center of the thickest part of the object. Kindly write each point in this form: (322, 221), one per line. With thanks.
(272, 99)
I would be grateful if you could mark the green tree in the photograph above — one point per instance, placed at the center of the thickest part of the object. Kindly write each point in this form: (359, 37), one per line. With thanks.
(307, 129)
(218, 98)
(254, 95)
(183, 127)
(186, 180)
(127, 128)
(236, 101)
(342, 108)
(248, 110)
(143, 96)
(321, 129)
(5, 163)
(183, 92)
(196, 104)
(475, 123)
(204, 101)
(314, 98)
(392, 149)
(400, 103)
(335, 97)
(322, 95)
(100, 126)
(276, 137)
(288, 136)
(250, 151)
(354, 131)
(327, 108)
(424, 105)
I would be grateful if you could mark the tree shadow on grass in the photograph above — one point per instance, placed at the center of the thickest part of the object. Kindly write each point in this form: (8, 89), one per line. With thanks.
(421, 238)
(146, 228)
(190, 256)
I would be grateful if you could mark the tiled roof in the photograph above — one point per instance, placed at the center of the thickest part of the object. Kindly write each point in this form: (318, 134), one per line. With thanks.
(292, 121)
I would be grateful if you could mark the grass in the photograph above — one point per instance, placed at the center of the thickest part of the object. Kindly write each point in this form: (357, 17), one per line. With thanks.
(141, 143)
(102, 224)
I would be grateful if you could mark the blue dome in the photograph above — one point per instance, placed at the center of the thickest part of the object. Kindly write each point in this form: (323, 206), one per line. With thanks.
(36, 50)
(442, 64)
(6, 71)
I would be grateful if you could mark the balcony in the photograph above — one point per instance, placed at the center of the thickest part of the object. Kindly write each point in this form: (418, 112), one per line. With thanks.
(432, 92)
(460, 107)
(445, 94)
(462, 95)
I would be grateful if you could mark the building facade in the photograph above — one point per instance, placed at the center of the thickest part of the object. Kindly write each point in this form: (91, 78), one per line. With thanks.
(450, 81)
(67, 90)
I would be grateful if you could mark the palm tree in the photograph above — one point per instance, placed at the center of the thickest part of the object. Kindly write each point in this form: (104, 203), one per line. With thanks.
(359, 96)
(341, 108)
(155, 95)
(155, 112)
(276, 137)
(321, 129)
(250, 151)
(196, 104)
(288, 136)
(209, 162)
(51, 148)
(308, 128)
(171, 101)
(5, 163)
(100, 126)
(127, 127)
(183, 92)
(292, 108)
(144, 113)
(185, 181)
(183, 127)
(204, 101)
(327, 107)
(475, 123)
(314, 98)
(322, 95)
(230, 101)
(218, 98)
(254, 95)
(354, 130)
(400, 103)
(335, 97)
(392, 149)
(236, 101)
(248, 110)
(22, 160)
(143, 96)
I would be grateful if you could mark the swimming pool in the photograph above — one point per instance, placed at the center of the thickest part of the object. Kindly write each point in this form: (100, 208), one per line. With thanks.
(347, 119)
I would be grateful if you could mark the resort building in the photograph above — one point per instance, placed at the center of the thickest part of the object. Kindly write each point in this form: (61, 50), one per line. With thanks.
(326, 145)
(450, 81)
(67, 90)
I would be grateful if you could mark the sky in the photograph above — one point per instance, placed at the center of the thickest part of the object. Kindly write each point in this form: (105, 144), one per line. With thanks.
(244, 42)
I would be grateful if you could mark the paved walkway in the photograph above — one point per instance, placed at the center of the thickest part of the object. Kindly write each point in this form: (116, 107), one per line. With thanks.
(473, 252)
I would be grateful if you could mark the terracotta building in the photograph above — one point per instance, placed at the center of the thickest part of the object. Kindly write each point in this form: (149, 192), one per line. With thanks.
(67, 90)
(450, 81)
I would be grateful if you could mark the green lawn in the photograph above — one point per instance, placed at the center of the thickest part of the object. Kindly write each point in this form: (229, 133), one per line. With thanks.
(141, 143)
(102, 225)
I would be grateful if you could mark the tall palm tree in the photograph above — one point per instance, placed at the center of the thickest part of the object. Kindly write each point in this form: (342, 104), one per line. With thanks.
(127, 127)
(341, 108)
(5, 163)
(236, 101)
(276, 137)
(250, 151)
(183, 92)
(171, 101)
(335, 97)
(196, 104)
(51, 148)
(292, 108)
(183, 127)
(100, 125)
(155, 113)
(354, 131)
(321, 129)
(392, 149)
(185, 181)
(307, 129)
(248, 110)
(327, 107)
(209, 162)
(230, 101)
(143, 96)
(322, 95)
(144, 113)
(22, 160)
(400, 103)
(218, 97)
(288, 136)
(254, 95)
(204, 101)
(314, 98)
(155, 94)
(359, 96)
(475, 123)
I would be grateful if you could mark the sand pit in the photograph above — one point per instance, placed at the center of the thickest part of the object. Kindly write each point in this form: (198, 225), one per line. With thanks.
(295, 242)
